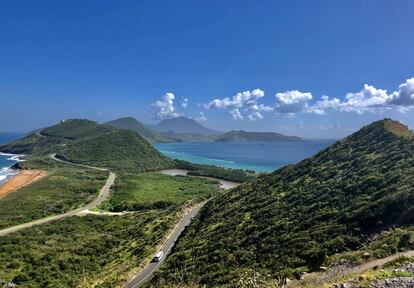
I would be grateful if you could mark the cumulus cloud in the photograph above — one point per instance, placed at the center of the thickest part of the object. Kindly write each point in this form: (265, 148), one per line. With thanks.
(246, 101)
(165, 107)
(184, 102)
(405, 94)
(201, 117)
(369, 99)
(235, 113)
(324, 104)
(292, 101)
(255, 116)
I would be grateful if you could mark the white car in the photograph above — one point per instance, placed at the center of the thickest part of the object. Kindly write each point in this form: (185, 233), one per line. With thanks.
(158, 256)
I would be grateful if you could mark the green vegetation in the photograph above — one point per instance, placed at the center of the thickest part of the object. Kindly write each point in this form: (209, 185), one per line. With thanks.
(63, 189)
(293, 219)
(235, 175)
(132, 192)
(386, 244)
(119, 150)
(240, 136)
(75, 129)
(89, 251)
(34, 144)
(87, 142)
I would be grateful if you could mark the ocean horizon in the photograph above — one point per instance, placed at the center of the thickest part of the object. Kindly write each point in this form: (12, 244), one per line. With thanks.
(256, 156)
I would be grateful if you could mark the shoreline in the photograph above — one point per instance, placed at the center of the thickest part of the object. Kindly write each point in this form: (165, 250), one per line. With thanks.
(14, 157)
(20, 180)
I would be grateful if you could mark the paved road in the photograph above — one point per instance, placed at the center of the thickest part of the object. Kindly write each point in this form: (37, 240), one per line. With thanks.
(103, 194)
(146, 273)
(225, 184)
(53, 156)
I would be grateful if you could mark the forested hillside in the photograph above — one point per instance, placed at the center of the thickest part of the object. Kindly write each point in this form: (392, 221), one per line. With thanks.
(291, 220)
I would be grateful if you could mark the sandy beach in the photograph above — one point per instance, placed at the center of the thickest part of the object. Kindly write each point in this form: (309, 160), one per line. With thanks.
(22, 179)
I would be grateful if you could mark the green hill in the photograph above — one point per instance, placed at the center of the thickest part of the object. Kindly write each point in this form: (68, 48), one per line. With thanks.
(87, 142)
(33, 144)
(240, 136)
(74, 129)
(182, 125)
(132, 124)
(117, 149)
(292, 219)
(53, 138)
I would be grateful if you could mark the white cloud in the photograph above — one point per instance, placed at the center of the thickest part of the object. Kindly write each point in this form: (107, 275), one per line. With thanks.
(324, 104)
(165, 107)
(201, 117)
(405, 95)
(255, 116)
(235, 113)
(292, 101)
(184, 102)
(369, 99)
(247, 101)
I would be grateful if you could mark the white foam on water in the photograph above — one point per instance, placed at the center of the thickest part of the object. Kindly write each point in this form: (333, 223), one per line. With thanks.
(14, 157)
(6, 174)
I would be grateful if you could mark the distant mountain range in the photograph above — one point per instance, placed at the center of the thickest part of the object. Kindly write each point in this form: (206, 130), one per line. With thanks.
(184, 129)
(132, 124)
(241, 136)
(182, 125)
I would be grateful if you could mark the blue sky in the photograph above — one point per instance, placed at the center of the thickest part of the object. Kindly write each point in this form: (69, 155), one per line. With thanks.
(107, 59)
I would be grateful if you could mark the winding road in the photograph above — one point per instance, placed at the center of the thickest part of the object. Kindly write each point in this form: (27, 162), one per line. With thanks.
(147, 272)
(103, 194)
(169, 243)
(150, 268)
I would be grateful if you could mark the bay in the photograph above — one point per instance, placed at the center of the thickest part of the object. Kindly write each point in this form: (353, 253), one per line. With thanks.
(257, 156)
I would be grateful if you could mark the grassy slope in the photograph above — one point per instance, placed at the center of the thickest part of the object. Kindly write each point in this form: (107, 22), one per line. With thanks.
(291, 219)
(236, 175)
(98, 251)
(85, 141)
(53, 138)
(90, 251)
(119, 150)
(75, 129)
(153, 190)
(34, 143)
(66, 187)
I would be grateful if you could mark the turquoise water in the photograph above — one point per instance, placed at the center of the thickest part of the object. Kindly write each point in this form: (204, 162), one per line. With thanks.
(257, 156)
(7, 160)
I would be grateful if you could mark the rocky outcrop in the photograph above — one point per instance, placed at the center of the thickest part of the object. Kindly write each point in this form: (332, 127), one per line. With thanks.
(399, 282)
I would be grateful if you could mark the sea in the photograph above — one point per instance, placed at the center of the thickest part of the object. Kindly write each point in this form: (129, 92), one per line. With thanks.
(256, 156)
(7, 160)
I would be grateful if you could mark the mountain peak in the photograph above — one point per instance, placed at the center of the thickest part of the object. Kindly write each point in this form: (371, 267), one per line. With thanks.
(397, 128)
(183, 125)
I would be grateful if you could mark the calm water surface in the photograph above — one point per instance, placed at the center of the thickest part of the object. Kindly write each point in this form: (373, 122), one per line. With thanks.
(257, 156)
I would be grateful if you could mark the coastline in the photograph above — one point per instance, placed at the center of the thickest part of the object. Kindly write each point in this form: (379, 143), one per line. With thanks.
(19, 180)
(6, 172)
